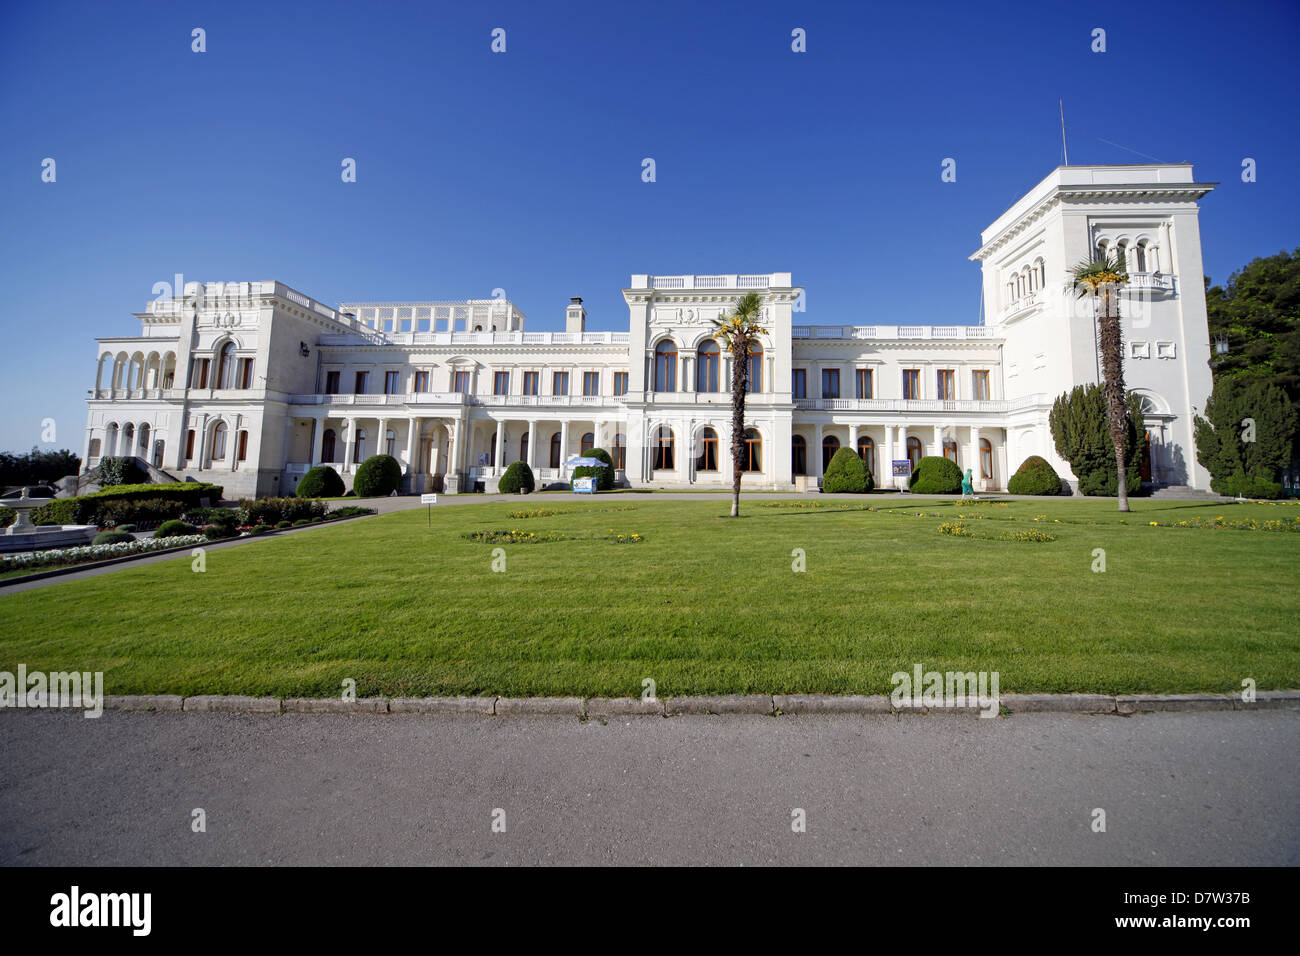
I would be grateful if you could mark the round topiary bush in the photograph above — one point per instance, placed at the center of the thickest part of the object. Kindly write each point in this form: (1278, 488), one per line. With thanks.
(604, 475)
(847, 473)
(215, 532)
(1034, 477)
(259, 529)
(112, 537)
(300, 522)
(936, 476)
(378, 476)
(320, 482)
(281, 525)
(125, 527)
(174, 528)
(518, 477)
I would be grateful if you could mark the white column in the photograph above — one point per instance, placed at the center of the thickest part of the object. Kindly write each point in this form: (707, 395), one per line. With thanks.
(902, 453)
(973, 462)
(564, 445)
(853, 438)
(381, 439)
(349, 446)
(453, 462)
(817, 451)
(85, 454)
(937, 451)
(410, 445)
(317, 440)
(683, 451)
(532, 442)
(887, 462)
(499, 457)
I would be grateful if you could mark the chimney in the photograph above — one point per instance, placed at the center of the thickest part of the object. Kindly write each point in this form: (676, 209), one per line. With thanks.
(575, 316)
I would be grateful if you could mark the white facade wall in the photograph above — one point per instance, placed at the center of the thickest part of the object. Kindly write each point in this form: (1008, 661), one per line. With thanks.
(449, 386)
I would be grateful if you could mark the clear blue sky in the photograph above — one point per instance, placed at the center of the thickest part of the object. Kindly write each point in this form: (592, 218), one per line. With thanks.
(523, 170)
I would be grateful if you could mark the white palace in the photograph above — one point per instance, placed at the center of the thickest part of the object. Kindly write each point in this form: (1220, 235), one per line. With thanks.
(248, 384)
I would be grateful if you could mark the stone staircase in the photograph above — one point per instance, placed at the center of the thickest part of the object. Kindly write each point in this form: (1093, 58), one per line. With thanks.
(1184, 493)
(88, 481)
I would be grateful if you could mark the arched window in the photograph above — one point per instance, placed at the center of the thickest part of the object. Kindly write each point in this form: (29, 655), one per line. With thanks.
(110, 439)
(664, 457)
(619, 452)
(830, 445)
(587, 444)
(158, 453)
(95, 445)
(867, 452)
(752, 460)
(555, 450)
(666, 366)
(708, 457)
(798, 455)
(707, 365)
(950, 450)
(128, 439)
(914, 451)
(359, 447)
(143, 443)
(1140, 257)
(756, 367)
(327, 446)
(986, 458)
(219, 442)
(390, 441)
(226, 366)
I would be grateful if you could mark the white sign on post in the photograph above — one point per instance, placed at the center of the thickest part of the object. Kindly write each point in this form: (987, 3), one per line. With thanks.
(428, 499)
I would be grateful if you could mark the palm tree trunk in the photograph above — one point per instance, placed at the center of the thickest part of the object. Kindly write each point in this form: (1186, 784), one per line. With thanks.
(739, 370)
(1112, 367)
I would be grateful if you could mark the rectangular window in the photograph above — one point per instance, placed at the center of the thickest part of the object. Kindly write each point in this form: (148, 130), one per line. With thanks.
(799, 384)
(620, 383)
(331, 383)
(362, 383)
(189, 444)
(830, 383)
(501, 383)
(392, 382)
(980, 385)
(947, 384)
(560, 383)
(864, 383)
(530, 382)
(421, 381)
(911, 383)
(199, 374)
(245, 373)
(462, 382)
(590, 383)
(241, 447)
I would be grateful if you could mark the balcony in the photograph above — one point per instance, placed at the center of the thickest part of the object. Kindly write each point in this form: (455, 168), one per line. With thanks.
(710, 283)
(477, 338)
(412, 398)
(1154, 283)
(901, 405)
(546, 401)
(923, 332)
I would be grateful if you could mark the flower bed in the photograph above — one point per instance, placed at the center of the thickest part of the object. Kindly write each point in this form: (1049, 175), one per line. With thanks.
(34, 560)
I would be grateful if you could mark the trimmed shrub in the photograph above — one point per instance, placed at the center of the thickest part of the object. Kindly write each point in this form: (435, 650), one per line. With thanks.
(1035, 477)
(1241, 485)
(126, 527)
(274, 510)
(378, 476)
(604, 476)
(7, 516)
(846, 473)
(320, 482)
(112, 537)
(351, 511)
(59, 511)
(317, 520)
(936, 475)
(215, 532)
(202, 516)
(86, 509)
(301, 522)
(517, 477)
(119, 471)
(116, 511)
(1081, 433)
(259, 529)
(174, 529)
(282, 525)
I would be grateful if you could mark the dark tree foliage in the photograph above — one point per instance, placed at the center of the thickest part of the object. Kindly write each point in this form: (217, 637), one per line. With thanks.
(1082, 435)
(37, 466)
(1246, 437)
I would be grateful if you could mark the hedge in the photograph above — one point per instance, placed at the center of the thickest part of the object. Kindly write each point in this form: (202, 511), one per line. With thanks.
(320, 482)
(517, 477)
(275, 510)
(1035, 477)
(174, 529)
(847, 472)
(936, 475)
(1241, 485)
(378, 476)
(85, 509)
(604, 475)
(7, 516)
(112, 537)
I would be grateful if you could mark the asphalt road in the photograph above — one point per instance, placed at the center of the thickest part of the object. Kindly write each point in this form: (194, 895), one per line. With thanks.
(1208, 788)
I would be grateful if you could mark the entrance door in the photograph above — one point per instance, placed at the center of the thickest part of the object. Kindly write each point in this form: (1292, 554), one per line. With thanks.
(1146, 458)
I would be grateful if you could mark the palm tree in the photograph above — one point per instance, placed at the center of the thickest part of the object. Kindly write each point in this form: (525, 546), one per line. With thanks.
(738, 333)
(1101, 278)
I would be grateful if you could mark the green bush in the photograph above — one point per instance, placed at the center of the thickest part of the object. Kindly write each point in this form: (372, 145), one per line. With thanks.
(1034, 477)
(301, 522)
(317, 520)
(351, 511)
(604, 475)
(378, 476)
(846, 473)
(274, 510)
(320, 482)
(112, 537)
(259, 529)
(518, 476)
(126, 527)
(1081, 432)
(7, 516)
(59, 511)
(282, 525)
(1238, 466)
(119, 511)
(119, 471)
(1241, 485)
(202, 516)
(87, 509)
(215, 532)
(935, 476)
(173, 529)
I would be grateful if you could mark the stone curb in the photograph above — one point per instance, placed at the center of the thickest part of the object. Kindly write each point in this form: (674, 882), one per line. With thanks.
(788, 704)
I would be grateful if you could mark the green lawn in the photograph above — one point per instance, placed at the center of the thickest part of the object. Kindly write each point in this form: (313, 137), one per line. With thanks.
(702, 604)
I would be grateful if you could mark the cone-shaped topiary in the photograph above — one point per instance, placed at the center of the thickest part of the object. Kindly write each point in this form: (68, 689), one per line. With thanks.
(936, 476)
(847, 473)
(378, 476)
(320, 482)
(518, 476)
(1034, 477)
(604, 476)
